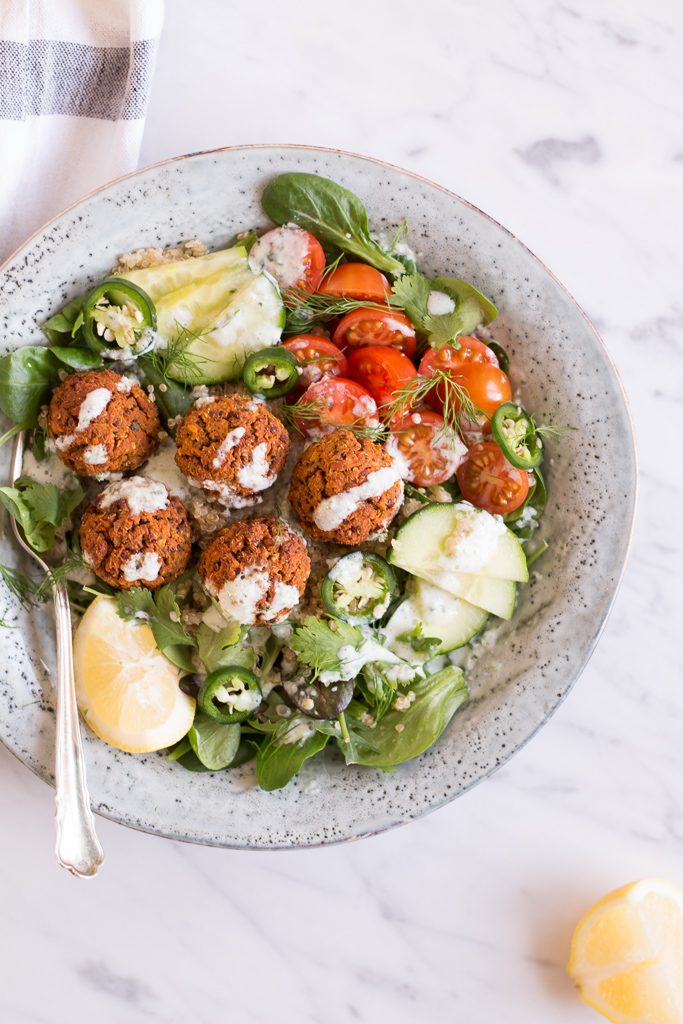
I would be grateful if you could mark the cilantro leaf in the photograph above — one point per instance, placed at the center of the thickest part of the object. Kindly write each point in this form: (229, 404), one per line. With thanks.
(411, 293)
(40, 509)
(221, 647)
(472, 305)
(160, 609)
(318, 641)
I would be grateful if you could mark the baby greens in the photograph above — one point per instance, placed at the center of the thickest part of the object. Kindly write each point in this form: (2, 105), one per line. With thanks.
(214, 743)
(27, 378)
(330, 212)
(471, 308)
(40, 509)
(161, 611)
(278, 761)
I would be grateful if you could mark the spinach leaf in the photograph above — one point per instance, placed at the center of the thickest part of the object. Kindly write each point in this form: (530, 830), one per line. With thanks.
(277, 762)
(27, 376)
(76, 358)
(65, 323)
(173, 399)
(182, 747)
(437, 698)
(214, 743)
(162, 612)
(472, 305)
(218, 648)
(330, 212)
(40, 509)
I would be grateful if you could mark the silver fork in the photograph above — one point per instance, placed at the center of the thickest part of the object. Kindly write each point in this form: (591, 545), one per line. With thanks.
(77, 849)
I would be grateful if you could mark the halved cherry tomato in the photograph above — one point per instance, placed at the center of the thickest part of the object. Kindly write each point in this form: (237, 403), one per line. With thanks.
(318, 358)
(335, 402)
(430, 451)
(487, 480)
(292, 255)
(382, 370)
(487, 385)
(474, 367)
(376, 327)
(356, 281)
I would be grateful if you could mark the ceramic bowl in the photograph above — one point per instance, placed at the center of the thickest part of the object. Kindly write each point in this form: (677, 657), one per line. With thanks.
(565, 376)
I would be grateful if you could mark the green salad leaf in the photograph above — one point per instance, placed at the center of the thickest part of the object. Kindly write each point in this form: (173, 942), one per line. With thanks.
(277, 761)
(27, 378)
(161, 611)
(76, 358)
(172, 399)
(40, 509)
(221, 647)
(401, 735)
(318, 641)
(472, 305)
(330, 212)
(66, 323)
(214, 743)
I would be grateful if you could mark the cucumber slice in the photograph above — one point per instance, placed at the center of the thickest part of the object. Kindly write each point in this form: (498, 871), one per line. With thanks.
(499, 597)
(252, 319)
(169, 277)
(422, 544)
(436, 614)
(187, 310)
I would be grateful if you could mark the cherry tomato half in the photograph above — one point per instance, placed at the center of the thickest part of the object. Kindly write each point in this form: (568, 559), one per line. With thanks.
(293, 256)
(356, 281)
(431, 452)
(335, 402)
(474, 367)
(382, 370)
(376, 327)
(317, 357)
(487, 480)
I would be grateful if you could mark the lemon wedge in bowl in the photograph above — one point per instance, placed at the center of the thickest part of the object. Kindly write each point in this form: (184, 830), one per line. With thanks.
(126, 689)
(627, 954)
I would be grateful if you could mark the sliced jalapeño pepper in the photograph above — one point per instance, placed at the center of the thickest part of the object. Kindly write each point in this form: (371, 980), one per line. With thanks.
(500, 354)
(119, 319)
(272, 372)
(359, 587)
(230, 694)
(515, 432)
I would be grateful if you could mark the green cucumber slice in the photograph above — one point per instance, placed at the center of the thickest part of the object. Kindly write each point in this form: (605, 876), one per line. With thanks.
(252, 319)
(169, 277)
(187, 310)
(435, 614)
(499, 597)
(422, 545)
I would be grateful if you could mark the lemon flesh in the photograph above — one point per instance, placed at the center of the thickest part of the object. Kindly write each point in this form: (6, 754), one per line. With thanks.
(627, 954)
(126, 689)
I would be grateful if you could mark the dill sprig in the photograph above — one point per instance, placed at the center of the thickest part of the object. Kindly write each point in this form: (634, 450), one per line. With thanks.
(305, 308)
(175, 356)
(553, 429)
(58, 573)
(459, 411)
(296, 413)
(23, 587)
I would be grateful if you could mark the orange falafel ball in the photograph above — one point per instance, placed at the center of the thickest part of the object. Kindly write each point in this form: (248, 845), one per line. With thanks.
(345, 489)
(136, 534)
(102, 422)
(256, 569)
(231, 446)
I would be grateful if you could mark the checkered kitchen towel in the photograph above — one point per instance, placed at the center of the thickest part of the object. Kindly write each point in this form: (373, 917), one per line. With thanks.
(75, 78)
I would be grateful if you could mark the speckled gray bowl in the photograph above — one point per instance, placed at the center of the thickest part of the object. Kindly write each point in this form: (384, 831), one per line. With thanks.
(566, 376)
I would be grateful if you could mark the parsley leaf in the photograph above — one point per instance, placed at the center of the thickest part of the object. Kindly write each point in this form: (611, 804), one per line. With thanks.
(218, 648)
(40, 509)
(318, 641)
(411, 293)
(160, 609)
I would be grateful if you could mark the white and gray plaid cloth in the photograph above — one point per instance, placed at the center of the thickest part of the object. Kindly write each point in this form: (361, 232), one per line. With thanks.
(75, 78)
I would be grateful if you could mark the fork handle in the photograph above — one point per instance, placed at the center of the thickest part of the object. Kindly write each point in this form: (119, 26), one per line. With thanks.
(78, 849)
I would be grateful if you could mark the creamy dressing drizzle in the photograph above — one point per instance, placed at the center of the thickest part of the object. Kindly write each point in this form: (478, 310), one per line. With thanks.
(331, 512)
(141, 495)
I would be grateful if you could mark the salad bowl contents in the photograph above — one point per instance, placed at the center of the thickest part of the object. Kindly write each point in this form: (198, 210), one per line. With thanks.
(296, 487)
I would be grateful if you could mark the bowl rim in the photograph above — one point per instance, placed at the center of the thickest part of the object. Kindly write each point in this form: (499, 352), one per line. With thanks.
(633, 489)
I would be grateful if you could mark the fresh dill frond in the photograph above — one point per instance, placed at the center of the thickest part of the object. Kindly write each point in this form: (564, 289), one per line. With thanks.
(176, 357)
(553, 430)
(58, 573)
(306, 308)
(458, 410)
(23, 587)
(295, 414)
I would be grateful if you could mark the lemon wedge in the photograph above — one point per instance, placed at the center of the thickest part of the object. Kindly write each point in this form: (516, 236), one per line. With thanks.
(627, 954)
(126, 689)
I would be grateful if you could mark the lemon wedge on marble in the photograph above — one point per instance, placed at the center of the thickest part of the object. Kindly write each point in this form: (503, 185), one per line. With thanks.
(627, 954)
(126, 689)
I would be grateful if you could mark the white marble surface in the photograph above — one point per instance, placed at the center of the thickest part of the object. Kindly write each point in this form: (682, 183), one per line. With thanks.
(562, 120)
